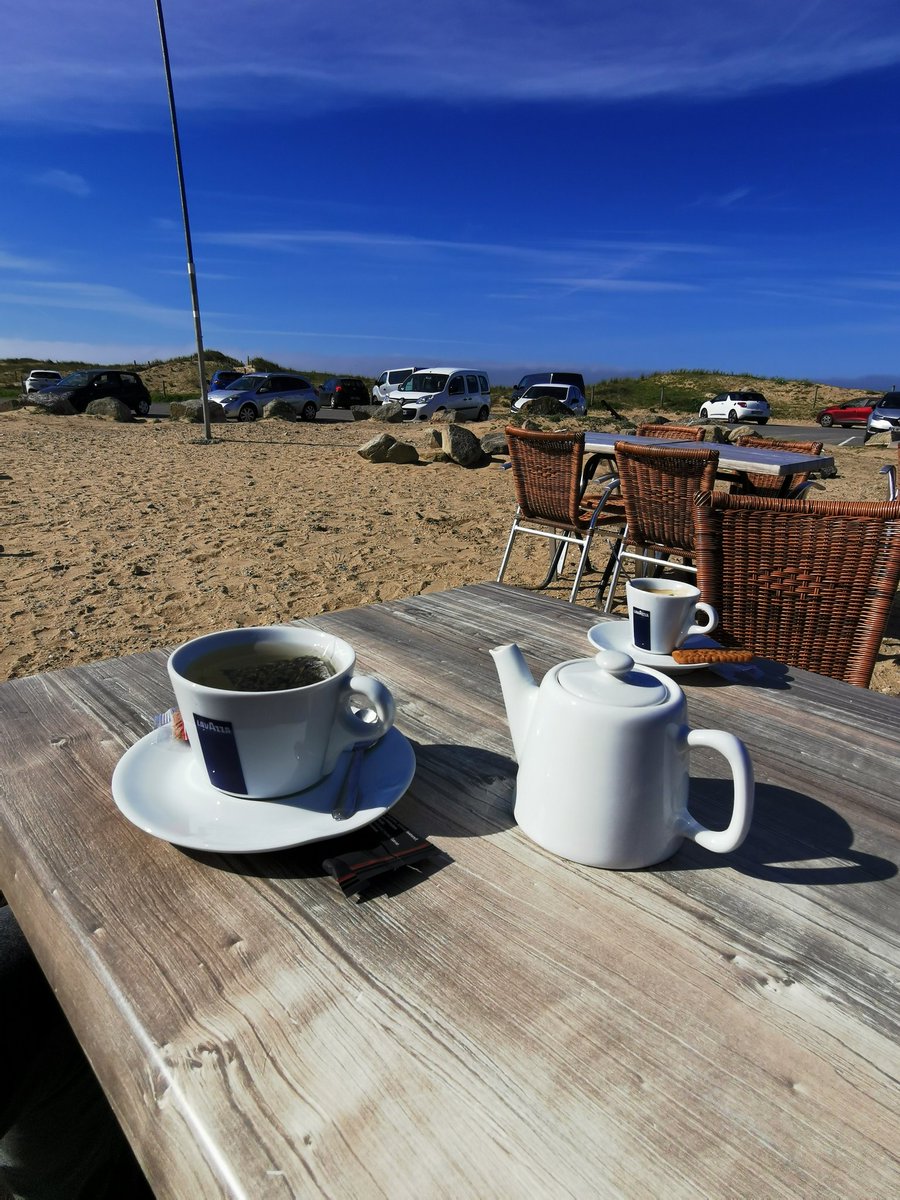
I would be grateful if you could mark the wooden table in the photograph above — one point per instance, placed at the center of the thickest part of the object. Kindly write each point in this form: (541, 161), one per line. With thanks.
(736, 459)
(510, 1025)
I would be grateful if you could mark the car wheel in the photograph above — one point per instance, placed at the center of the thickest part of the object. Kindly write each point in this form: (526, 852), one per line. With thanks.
(763, 421)
(308, 411)
(247, 413)
(825, 421)
(143, 407)
(732, 417)
(704, 414)
(483, 413)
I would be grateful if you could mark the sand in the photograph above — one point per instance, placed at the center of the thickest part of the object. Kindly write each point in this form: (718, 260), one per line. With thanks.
(120, 538)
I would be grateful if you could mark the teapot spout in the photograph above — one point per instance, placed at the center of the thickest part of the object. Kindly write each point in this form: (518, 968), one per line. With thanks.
(519, 693)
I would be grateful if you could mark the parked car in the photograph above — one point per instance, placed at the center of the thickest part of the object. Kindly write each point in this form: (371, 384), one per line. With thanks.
(81, 387)
(568, 395)
(885, 415)
(342, 392)
(438, 389)
(527, 381)
(736, 406)
(248, 396)
(223, 379)
(851, 412)
(35, 380)
(388, 381)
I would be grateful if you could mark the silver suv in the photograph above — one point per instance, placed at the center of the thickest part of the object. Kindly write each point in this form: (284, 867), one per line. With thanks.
(247, 397)
(885, 416)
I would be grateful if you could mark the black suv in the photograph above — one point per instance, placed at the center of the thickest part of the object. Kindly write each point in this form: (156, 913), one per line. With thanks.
(343, 391)
(81, 387)
(570, 377)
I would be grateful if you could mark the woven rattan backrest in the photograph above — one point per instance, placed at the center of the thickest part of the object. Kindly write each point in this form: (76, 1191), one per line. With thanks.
(546, 471)
(809, 583)
(675, 433)
(658, 486)
(773, 483)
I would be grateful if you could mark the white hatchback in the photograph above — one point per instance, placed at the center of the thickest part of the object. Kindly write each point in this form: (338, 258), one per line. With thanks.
(564, 393)
(41, 379)
(736, 406)
(388, 381)
(465, 390)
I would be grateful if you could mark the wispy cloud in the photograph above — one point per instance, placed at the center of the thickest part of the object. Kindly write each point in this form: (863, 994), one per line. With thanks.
(611, 284)
(64, 181)
(93, 298)
(102, 65)
(15, 262)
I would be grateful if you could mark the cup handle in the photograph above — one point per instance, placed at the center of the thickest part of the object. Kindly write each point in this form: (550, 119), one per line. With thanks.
(722, 841)
(711, 614)
(354, 729)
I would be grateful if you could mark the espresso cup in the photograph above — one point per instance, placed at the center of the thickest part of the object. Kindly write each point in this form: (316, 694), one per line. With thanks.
(268, 710)
(662, 612)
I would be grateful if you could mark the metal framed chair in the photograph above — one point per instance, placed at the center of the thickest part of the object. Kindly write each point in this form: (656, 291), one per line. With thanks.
(658, 486)
(675, 433)
(809, 583)
(893, 491)
(771, 485)
(548, 478)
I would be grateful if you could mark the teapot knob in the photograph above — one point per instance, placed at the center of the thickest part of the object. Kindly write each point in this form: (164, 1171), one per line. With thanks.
(614, 662)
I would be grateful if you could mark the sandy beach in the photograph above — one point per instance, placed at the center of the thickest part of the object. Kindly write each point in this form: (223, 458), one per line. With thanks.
(119, 538)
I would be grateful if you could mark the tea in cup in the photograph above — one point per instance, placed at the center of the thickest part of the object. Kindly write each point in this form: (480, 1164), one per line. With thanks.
(662, 613)
(268, 710)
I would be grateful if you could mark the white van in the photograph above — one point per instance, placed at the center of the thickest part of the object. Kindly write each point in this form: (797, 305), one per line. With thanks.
(388, 381)
(465, 390)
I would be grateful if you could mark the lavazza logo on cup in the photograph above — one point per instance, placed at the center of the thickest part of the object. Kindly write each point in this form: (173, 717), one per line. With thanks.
(662, 613)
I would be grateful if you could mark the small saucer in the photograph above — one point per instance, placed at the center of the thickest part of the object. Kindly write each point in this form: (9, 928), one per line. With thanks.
(616, 635)
(159, 787)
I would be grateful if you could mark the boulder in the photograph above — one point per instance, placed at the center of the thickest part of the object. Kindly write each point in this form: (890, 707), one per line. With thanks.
(495, 443)
(402, 452)
(362, 412)
(376, 450)
(462, 445)
(545, 406)
(192, 410)
(58, 405)
(446, 416)
(279, 410)
(391, 413)
(110, 408)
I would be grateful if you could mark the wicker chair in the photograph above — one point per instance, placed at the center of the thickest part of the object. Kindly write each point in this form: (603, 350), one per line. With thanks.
(771, 485)
(809, 583)
(547, 474)
(658, 486)
(675, 433)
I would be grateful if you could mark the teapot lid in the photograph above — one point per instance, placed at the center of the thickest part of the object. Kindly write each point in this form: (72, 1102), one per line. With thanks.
(611, 678)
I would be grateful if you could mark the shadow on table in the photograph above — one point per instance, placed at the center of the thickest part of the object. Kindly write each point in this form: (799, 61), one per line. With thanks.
(789, 838)
(457, 791)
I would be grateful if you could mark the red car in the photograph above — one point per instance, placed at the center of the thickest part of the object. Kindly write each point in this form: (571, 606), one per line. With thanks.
(851, 412)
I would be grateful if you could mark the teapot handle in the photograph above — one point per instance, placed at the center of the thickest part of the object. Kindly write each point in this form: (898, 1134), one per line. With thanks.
(733, 749)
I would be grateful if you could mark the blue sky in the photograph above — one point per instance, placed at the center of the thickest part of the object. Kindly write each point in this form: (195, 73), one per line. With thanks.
(588, 185)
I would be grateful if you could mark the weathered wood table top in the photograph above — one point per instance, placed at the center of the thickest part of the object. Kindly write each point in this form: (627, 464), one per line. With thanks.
(507, 1025)
(756, 460)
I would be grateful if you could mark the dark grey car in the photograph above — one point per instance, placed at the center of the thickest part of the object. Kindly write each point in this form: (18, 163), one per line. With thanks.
(247, 397)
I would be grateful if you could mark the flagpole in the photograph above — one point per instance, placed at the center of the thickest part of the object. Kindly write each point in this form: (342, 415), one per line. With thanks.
(192, 274)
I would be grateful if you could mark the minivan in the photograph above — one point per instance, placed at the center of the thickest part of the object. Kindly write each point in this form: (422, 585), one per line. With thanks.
(465, 390)
(570, 377)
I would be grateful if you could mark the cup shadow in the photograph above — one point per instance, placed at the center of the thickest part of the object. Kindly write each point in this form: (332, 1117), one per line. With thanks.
(789, 830)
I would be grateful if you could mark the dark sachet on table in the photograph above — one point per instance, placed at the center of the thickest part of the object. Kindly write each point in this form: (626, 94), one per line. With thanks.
(375, 850)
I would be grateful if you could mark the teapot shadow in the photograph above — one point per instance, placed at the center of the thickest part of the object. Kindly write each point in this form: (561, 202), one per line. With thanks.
(789, 830)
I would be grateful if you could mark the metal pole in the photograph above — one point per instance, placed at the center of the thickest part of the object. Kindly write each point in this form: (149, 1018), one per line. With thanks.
(192, 275)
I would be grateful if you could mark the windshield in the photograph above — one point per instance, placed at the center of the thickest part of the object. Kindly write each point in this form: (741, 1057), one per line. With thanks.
(76, 379)
(425, 381)
(246, 383)
(557, 391)
(890, 401)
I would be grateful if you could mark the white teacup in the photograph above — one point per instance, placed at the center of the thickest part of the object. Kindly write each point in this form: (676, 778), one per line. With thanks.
(662, 613)
(287, 737)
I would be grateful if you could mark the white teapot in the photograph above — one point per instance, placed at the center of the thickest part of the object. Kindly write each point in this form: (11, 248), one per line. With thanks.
(603, 748)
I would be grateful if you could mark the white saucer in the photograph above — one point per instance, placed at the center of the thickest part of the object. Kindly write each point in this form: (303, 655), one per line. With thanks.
(616, 635)
(159, 787)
